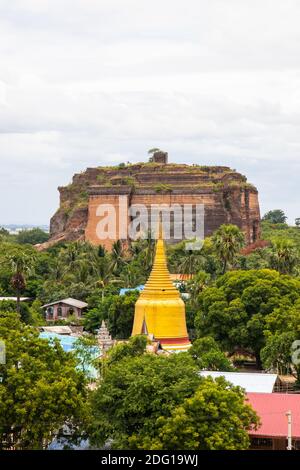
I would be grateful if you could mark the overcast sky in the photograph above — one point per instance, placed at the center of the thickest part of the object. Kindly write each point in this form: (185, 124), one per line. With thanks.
(85, 83)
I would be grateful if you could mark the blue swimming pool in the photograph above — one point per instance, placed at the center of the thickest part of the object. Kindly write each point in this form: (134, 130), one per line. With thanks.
(66, 341)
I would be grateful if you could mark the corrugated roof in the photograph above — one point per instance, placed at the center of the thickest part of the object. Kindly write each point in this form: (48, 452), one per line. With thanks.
(181, 277)
(14, 299)
(131, 289)
(272, 409)
(60, 329)
(69, 301)
(250, 381)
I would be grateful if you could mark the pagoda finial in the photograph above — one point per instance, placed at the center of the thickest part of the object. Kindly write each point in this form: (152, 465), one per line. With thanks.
(160, 228)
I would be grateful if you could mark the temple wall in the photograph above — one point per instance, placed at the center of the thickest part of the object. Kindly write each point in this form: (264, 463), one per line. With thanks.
(226, 194)
(238, 207)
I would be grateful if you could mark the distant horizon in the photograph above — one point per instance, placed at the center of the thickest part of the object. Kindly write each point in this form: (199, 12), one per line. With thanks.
(16, 228)
(290, 220)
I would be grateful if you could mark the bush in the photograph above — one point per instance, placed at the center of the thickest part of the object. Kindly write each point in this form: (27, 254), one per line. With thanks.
(32, 237)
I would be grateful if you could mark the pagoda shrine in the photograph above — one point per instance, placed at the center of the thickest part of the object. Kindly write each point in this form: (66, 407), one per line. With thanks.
(159, 310)
(104, 339)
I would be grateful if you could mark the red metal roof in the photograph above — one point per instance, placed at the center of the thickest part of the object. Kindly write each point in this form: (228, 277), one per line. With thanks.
(272, 408)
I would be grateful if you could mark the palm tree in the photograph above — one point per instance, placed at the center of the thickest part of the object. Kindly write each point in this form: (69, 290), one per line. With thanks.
(284, 256)
(228, 241)
(101, 251)
(76, 262)
(117, 256)
(130, 276)
(197, 285)
(21, 264)
(68, 257)
(102, 272)
(149, 250)
(84, 271)
(57, 270)
(190, 262)
(136, 247)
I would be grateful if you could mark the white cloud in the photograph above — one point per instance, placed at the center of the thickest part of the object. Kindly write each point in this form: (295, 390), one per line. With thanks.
(84, 83)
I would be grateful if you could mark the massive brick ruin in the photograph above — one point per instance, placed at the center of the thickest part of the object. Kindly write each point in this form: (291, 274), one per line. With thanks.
(226, 195)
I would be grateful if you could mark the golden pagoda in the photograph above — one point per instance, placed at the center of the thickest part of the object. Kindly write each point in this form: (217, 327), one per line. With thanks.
(159, 310)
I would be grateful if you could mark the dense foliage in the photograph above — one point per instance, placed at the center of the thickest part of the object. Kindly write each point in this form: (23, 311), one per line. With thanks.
(40, 390)
(145, 399)
(215, 417)
(242, 300)
(32, 237)
(208, 355)
(116, 310)
(235, 310)
(276, 216)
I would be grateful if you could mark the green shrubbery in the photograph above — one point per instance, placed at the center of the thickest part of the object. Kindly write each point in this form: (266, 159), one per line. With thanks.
(236, 301)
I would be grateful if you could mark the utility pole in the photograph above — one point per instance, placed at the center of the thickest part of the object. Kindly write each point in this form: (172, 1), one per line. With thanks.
(289, 436)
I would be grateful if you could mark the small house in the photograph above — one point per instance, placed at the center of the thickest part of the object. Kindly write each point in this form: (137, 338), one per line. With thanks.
(62, 309)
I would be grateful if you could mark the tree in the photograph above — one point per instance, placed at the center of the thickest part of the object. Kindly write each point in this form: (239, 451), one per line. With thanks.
(235, 311)
(283, 256)
(196, 285)
(208, 355)
(41, 390)
(21, 263)
(77, 270)
(276, 216)
(4, 232)
(228, 241)
(193, 288)
(36, 315)
(117, 257)
(282, 332)
(101, 251)
(135, 392)
(85, 348)
(102, 270)
(148, 252)
(214, 418)
(140, 397)
(117, 311)
(277, 355)
(139, 261)
(121, 314)
(32, 237)
(76, 262)
(297, 222)
(136, 346)
(191, 262)
(259, 258)
(25, 313)
(153, 150)
(131, 276)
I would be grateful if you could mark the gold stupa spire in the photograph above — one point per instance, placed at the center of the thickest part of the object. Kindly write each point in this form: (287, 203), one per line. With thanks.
(159, 282)
(160, 311)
